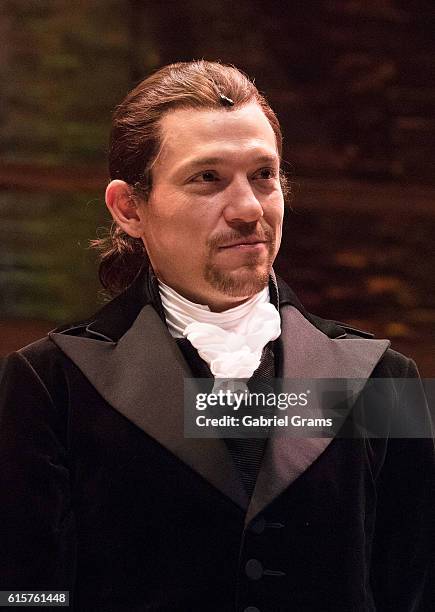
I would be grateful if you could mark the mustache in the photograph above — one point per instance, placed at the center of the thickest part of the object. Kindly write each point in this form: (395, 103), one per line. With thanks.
(266, 234)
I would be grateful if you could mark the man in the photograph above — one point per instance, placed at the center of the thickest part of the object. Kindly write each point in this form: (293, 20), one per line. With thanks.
(103, 495)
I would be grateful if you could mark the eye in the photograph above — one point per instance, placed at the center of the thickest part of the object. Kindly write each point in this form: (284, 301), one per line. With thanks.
(266, 174)
(205, 177)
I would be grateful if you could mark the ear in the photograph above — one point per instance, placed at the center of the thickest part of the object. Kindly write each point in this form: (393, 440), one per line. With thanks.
(123, 207)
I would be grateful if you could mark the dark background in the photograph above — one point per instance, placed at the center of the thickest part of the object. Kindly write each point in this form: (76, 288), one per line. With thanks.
(353, 83)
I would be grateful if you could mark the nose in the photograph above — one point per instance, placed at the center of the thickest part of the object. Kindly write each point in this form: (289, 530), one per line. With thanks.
(242, 205)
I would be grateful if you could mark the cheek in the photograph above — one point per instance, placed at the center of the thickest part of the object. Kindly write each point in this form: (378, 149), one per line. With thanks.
(275, 219)
(180, 237)
(274, 212)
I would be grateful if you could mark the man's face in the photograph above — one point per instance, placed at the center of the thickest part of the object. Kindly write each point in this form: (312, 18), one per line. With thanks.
(212, 224)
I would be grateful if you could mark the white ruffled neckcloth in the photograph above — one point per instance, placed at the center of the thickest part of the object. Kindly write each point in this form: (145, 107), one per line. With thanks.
(231, 342)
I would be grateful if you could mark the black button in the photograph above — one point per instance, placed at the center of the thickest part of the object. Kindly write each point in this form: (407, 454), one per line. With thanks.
(251, 609)
(254, 569)
(258, 525)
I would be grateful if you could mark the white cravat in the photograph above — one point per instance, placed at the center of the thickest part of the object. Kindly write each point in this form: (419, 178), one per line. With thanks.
(231, 342)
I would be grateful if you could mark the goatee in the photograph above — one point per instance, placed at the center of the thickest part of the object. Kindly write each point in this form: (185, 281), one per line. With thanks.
(250, 278)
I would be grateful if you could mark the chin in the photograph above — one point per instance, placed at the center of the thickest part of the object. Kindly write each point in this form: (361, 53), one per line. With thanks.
(241, 283)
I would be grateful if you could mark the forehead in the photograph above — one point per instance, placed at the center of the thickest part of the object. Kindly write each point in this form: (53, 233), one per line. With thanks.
(189, 132)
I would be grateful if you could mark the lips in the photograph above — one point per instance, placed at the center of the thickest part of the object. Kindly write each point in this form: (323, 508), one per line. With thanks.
(244, 242)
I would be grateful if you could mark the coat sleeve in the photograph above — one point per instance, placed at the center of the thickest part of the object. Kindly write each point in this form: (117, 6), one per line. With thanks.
(403, 547)
(37, 531)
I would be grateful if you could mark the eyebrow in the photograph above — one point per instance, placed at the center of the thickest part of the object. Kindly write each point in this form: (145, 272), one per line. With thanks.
(206, 161)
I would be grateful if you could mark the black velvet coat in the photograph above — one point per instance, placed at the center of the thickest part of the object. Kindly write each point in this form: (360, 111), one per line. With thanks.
(103, 496)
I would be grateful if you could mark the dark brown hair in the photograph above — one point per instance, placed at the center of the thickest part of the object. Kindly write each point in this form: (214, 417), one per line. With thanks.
(135, 142)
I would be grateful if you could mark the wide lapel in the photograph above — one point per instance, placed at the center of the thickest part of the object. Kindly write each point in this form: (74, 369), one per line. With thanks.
(141, 376)
(308, 353)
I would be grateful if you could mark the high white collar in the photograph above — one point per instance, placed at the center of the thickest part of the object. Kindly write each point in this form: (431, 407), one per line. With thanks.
(180, 312)
(231, 342)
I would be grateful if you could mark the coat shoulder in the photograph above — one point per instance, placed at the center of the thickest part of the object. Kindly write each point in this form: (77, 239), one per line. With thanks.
(396, 365)
(44, 350)
(41, 359)
(392, 364)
